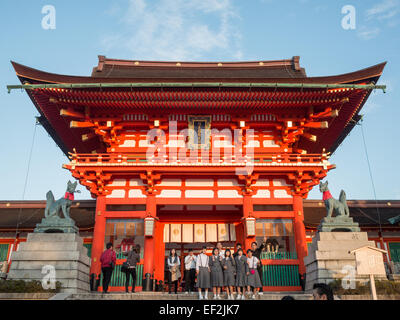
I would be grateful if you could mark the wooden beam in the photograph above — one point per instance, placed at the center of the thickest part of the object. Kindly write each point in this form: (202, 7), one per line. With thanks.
(310, 137)
(317, 125)
(71, 113)
(81, 124)
(334, 113)
(299, 150)
(88, 136)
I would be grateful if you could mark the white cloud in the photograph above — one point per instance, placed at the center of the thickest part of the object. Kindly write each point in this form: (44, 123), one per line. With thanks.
(368, 33)
(384, 10)
(177, 30)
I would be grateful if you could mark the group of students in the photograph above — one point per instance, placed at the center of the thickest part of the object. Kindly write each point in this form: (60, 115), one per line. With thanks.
(220, 270)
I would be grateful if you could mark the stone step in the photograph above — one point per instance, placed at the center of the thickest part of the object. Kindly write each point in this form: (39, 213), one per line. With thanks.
(59, 265)
(179, 296)
(50, 255)
(59, 274)
(348, 236)
(342, 245)
(328, 255)
(51, 246)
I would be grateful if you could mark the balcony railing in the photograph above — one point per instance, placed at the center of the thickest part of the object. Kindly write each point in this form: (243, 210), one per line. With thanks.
(133, 159)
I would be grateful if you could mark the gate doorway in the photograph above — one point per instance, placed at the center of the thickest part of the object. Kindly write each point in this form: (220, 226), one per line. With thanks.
(182, 250)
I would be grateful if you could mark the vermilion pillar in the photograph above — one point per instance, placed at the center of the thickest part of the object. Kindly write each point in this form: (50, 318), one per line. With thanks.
(247, 212)
(239, 230)
(159, 252)
(98, 235)
(299, 231)
(148, 257)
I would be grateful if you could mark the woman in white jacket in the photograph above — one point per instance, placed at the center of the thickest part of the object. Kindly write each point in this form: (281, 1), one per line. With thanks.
(174, 270)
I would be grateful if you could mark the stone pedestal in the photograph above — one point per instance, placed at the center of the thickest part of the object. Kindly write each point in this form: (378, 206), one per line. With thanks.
(338, 224)
(55, 224)
(64, 251)
(329, 254)
(3, 269)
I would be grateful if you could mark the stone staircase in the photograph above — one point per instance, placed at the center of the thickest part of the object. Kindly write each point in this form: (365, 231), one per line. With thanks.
(179, 296)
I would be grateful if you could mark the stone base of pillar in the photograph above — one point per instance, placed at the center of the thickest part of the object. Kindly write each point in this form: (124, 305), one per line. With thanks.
(63, 251)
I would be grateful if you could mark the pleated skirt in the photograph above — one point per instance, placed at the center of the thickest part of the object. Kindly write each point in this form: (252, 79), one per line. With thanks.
(253, 280)
(229, 278)
(203, 278)
(241, 279)
(217, 279)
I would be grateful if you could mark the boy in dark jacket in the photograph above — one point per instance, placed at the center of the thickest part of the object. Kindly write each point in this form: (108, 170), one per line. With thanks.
(238, 247)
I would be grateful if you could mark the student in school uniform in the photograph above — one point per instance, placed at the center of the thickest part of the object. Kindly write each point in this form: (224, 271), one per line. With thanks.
(229, 267)
(217, 276)
(190, 271)
(234, 255)
(242, 270)
(253, 278)
(203, 273)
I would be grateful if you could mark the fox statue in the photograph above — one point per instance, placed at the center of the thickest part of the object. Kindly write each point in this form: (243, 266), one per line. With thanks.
(53, 207)
(339, 206)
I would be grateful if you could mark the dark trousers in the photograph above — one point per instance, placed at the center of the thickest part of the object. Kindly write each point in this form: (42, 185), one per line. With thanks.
(131, 272)
(260, 273)
(189, 280)
(173, 283)
(107, 273)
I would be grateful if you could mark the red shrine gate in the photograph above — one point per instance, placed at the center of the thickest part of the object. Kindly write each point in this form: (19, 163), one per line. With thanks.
(180, 154)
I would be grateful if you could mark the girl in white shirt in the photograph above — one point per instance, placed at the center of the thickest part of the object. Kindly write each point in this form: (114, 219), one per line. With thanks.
(253, 278)
(203, 273)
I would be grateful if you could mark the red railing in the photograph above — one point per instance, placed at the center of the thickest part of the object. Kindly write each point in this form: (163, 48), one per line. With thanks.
(114, 158)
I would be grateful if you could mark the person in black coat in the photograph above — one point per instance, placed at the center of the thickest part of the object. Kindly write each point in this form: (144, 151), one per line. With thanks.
(238, 246)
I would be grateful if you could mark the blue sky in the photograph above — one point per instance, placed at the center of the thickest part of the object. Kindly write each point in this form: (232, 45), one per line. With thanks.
(203, 30)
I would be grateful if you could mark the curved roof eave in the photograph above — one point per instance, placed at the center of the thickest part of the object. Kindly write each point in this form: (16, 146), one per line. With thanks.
(370, 74)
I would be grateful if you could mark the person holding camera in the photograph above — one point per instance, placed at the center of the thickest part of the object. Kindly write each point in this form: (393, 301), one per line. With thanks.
(133, 258)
